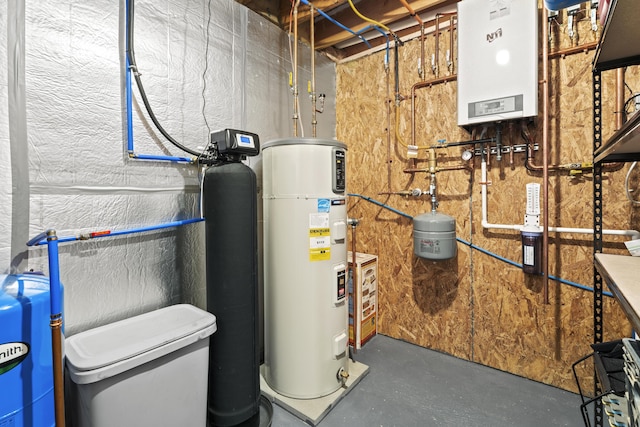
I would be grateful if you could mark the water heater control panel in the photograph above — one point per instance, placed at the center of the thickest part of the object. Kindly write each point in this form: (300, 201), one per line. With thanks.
(339, 170)
(341, 284)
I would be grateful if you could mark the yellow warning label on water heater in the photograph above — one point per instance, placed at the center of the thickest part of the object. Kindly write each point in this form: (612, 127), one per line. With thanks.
(319, 244)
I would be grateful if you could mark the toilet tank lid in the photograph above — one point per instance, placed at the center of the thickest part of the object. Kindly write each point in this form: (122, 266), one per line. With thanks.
(137, 339)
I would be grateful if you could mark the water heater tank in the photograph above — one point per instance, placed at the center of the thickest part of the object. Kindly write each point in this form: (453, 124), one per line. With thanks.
(305, 261)
(434, 236)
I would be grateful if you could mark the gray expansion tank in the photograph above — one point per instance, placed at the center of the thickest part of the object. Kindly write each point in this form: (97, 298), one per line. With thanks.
(434, 236)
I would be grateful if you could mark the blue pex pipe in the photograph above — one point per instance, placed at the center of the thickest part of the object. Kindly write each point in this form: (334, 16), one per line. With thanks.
(508, 261)
(375, 202)
(337, 23)
(386, 36)
(129, 107)
(107, 233)
(54, 276)
(166, 158)
(128, 84)
(478, 248)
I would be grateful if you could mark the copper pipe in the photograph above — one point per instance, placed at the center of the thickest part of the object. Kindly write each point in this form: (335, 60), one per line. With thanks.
(450, 61)
(295, 68)
(532, 167)
(571, 50)
(422, 64)
(436, 59)
(412, 12)
(619, 111)
(314, 121)
(58, 379)
(413, 99)
(388, 130)
(545, 158)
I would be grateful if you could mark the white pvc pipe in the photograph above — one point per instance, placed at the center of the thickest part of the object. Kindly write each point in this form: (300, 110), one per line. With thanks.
(518, 227)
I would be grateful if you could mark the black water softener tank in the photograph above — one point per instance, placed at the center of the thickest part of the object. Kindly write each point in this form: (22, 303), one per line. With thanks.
(230, 209)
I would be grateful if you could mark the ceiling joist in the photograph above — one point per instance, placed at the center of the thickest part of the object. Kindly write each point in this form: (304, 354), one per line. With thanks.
(327, 34)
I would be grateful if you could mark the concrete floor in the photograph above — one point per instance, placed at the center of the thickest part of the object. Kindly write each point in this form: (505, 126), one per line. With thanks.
(411, 386)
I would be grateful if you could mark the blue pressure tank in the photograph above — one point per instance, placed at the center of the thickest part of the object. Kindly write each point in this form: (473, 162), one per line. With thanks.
(560, 4)
(26, 372)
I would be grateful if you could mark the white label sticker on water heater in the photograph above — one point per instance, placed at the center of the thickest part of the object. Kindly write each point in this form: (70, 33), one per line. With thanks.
(319, 237)
(319, 220)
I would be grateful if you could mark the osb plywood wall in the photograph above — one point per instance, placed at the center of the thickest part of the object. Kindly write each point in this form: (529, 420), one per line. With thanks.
(474, 306)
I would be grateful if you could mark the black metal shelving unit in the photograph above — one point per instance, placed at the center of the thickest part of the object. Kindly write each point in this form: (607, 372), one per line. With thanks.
(619, 46)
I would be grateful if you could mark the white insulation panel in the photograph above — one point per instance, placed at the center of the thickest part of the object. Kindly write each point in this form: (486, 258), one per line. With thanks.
(78, 177)
(5, 148)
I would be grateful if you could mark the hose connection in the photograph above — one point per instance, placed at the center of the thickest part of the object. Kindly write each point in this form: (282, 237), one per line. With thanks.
(342, 376)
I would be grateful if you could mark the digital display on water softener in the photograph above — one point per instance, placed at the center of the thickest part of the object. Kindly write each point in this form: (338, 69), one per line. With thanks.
(245, 141)
(339, 171)
(235, 142)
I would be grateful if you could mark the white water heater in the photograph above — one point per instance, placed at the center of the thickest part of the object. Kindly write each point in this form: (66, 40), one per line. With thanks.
(305, 263)
(497, 60)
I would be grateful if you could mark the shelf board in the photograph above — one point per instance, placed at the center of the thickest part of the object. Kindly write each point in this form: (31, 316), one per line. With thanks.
(624, 145)
(620, 272)
(619, 44)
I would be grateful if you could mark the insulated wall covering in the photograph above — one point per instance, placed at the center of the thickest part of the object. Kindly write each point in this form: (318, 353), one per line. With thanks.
(5, 156)
(64, 120)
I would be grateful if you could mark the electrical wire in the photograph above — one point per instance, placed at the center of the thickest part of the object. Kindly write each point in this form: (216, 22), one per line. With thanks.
(206, 68)
(134, 68)
(633, 98)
